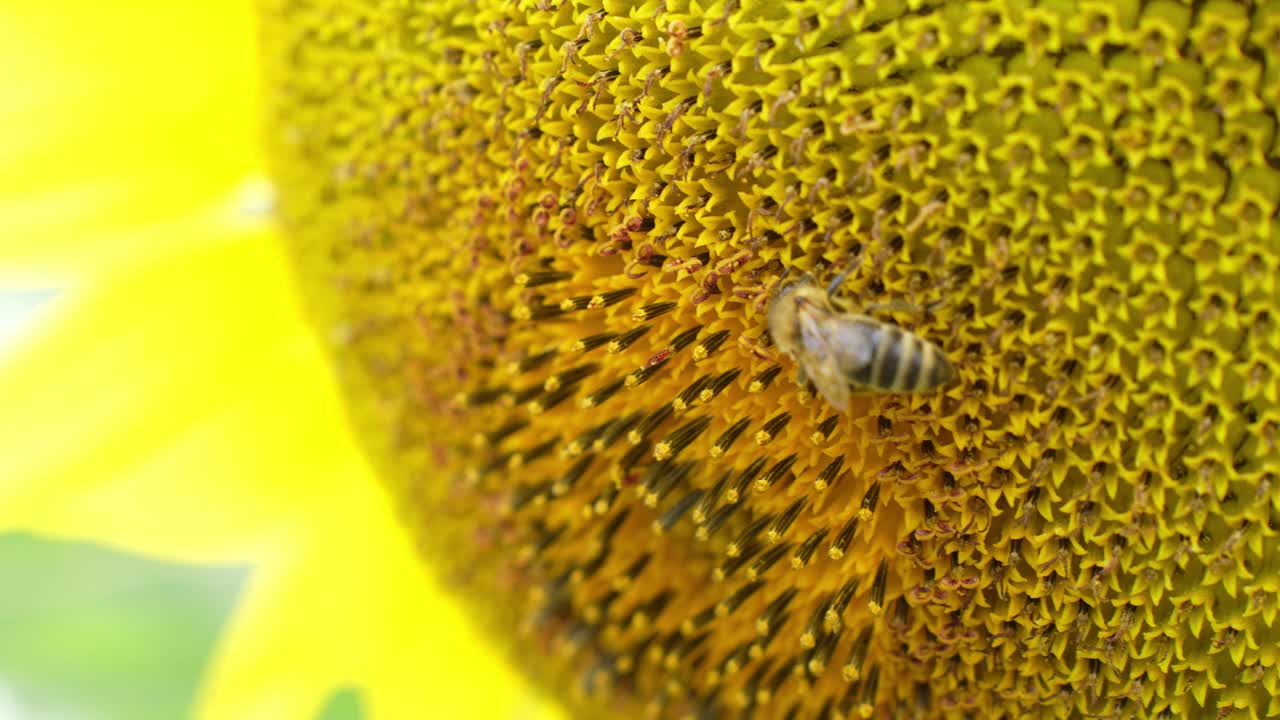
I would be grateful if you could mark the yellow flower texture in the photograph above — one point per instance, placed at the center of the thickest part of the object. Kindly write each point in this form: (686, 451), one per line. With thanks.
(541, 235)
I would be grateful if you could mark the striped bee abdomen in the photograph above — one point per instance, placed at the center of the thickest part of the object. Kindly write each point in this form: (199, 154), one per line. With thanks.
(900, 361)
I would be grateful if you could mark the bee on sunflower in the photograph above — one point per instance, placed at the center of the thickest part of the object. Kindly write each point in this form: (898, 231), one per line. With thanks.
(546, 235)
(543, 241)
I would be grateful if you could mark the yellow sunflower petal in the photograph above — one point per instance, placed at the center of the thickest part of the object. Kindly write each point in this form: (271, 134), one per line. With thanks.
(116, 111)
(163, 394)
(355, 574)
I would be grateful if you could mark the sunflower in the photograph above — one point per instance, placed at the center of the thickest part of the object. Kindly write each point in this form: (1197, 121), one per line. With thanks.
(537, 240)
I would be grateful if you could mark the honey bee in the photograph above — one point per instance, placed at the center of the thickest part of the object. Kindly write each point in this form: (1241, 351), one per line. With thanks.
(843, 352)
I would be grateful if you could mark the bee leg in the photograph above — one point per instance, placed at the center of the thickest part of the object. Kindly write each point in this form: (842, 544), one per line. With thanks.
(802, 378)
(756, 346)
(839, 279)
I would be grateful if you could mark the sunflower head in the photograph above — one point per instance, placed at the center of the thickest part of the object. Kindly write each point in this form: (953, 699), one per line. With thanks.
(543, 236)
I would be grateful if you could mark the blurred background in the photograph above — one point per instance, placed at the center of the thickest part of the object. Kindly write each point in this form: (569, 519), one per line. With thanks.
(113, 112)
(87, 633)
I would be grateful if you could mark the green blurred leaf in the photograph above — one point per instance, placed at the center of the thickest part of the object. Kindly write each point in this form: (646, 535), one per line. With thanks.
(89, 633)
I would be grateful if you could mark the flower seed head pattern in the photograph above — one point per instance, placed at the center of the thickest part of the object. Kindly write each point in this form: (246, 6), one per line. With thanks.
(541, 234)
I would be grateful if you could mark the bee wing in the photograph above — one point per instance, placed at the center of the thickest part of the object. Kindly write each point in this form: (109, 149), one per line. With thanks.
(853, 342)
(821, 361)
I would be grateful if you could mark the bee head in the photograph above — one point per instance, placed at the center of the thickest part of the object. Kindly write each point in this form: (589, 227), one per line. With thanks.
(781, 314)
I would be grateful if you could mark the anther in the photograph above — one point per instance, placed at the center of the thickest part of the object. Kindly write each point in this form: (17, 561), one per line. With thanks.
(520, 459)
(649, 312)
(629, 574)
(728, 437)
(695, 623)
(570, 304)
(649, 424)
(525, 495)
(804, 553)
(764, 641)
(565, 483)
(734, 661)
(869, 501)
(601, 395)
(551, 400)
(570, 377)
(776, 473)
(827, 478)
(648, 612)
(714, 522)
(587, 439)
(625, 340)
(821, 653)
(813, 628)
(664, 478)
(496, 437)
(684, 339)
(689, 394)
(771, 428)
(680, 438)
(841, 544)
(768, 620)
(857, 655)
(779, 527)
(767, 560)
(541, 277)
(709, 500)
(869, 688)
(595, 611)
(641, 376)
(734, 563)
(543, 312)
(628, 463)
(709, 345)
(762, 381)
(591, 342)
(709, 393)
(748, 535)
(747, 694)
(668, 519)
(531, 362)
(739, 596)
(743, 482)
(588, 569)
(771, 686)
(547, 538)
(876, 603)
(605, 536)
(485, 396)
(616, 430)
(605, 500)
(613, 297)
(522, 396)
(833, 620)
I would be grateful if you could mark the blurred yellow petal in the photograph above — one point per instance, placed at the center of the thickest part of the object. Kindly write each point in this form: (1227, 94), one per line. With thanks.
(170, 399)
(118, 111)
(354, 575)
(173, 381)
